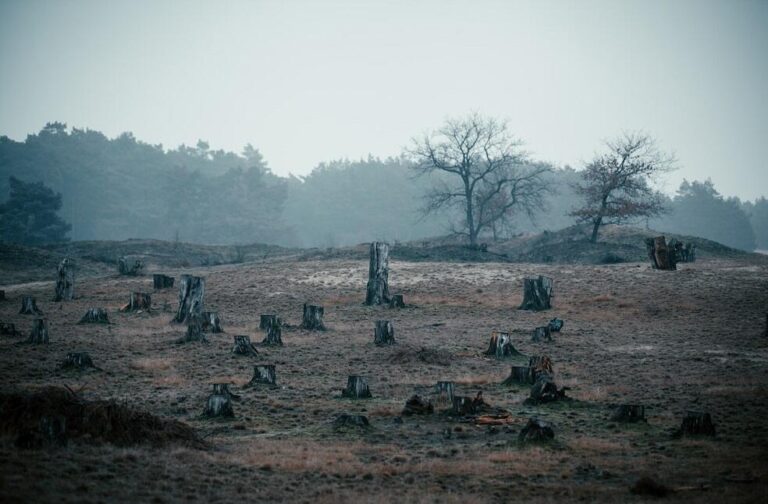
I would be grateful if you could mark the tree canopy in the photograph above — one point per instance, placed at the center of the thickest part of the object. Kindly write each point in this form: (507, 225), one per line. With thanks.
(30, 214)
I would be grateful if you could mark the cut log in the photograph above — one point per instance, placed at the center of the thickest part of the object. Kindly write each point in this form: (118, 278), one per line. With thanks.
(445, 391)
(211, 322)
(218, 405)
(501, 346)
(191, 298)
(77, 360)
(541, 334)
(397, 301)
(556, 324)
(383, 333)
(139, 301)
(697, 423)
(662, 256)
(65, 281)
(130, 266)
(194, 331)
(537, 294)
(263, 374)
(95, 316)
(29, 306)
(521, 375)
(312, 318)
(223, 389)
(536, 431)
(243, 346)
(273, 328)
(346, 420)
(357, 388)
(541, 365)
(160, 281)
(377, 290)
(39, 333)
(418, 406)
(266, 320)
(628, 413)
(9, 329)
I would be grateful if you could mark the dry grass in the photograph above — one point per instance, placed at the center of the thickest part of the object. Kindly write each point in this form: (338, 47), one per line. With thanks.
(151, 364)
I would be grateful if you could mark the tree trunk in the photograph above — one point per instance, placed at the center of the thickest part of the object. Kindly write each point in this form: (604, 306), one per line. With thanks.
(417, 406)
(537, 293)
(162, 281)
(9, 329)
(194, 330)
(397, 301)
(273, 328)
(541, 334)
(383, 333)
(519, 374)
(77, 360)
(377, 291)
(662, 256)
(191, 294)
(129, 266)
(211, 322)
(501, 346)
(29, 306)
(628, 413)
(266, 320)
(263, 374)
(536, 430)
(445, 392)
(357, 388)
(218, 405)
(65, 281)
(312, 319)
(595, 229)
(697, 424)
(139, 301)
(243, 346)
(95, 316)
(223, 389)
(39, 333)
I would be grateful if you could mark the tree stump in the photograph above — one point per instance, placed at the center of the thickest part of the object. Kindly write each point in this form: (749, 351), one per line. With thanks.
(95, 316)
(39, 333)
(541, 334)
(263, 374)
(160, 281)
(536, 431)
(130, 266)
(65, 281)
(223, 389)
(383, 333)
(191, 294)
(501, 346)
(194, 330)
(556, 324)
(139, 301)
(662, 256)
(29, 306)
(628, 413)
(312, 318)
(445, 391)
(77, 360)
(696, 423)
(418, 406)
(346, 420)
(397, 301)
(266, 320)
(211, 322)
(357, 388)
(519, 374)
(243, 346)
(541, 365)
(545, 391)
(537, 294)
(377, 290)
(9, 329)
(218, 405)
(274, 332)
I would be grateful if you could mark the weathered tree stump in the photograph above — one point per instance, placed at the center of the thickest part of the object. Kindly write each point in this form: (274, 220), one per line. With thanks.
(273, 328)
(65, 281)
(138, 301)
(312, 318)
(501, 346)
(536, 431)
(418, 406)
(541, 334)
(263, 374)
(29, 306)
(628, 413)
(445, 391)
(218, 405)
(9, 329)
(357, 388)
(95, 316)
(266, 320)
(130, 266)
(191, 297)
(541, 365)
(377, 290)
(39, 333)
(662, 256)
(346, 420)
(383, 333)
(77, 360)
(537, 294)
(160, 281)
(194, 330)
(519, 374)
(397, 301)
(223, 389)
(211, 323)
(696, 423)
(468, 406)
(556, 324)
(243, 346)
(545, 391)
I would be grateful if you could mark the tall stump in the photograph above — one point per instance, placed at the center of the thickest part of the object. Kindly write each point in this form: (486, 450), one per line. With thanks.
(65, 281)
(160, 281)
(274, 332)
(29, 306)
(39, 333)
(661, 255)
(537, 294)
(191, 294)
(377, 290)
(138, 301)
(357, 388)
(383, 333)
(312, 318)
(501, 346)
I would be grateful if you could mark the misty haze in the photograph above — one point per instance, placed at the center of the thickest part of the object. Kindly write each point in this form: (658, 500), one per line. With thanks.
(428, 251)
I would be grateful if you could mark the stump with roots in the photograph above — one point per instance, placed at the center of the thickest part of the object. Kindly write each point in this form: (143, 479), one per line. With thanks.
(397, 301)
(273, 328)
(628, 413)
(661, 255)
(223, 389)
(536, 431)
(696, 423)
(243, 346)
(191, 294)
(357, 388)
(9, 329)
(537, 294)
(65, 281)
(138, 301)
(383, 333)
(312, 318)
(160, 281)
(78, 361)
(263, 374)
(267, 319)
(29, 306)
(556, 324)
(39, 333)
(211, 322)
(346, 420)
(542, 333)
(541, 365)
(377, 290)
(519, 374)
(130, 266)
(418, 406)
(218, 405)
(95, 316)
(501, 346)
(194, 331)
(445, 391)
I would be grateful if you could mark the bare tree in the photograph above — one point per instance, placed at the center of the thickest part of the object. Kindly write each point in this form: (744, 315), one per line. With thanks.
(616, 186)
(488, 178)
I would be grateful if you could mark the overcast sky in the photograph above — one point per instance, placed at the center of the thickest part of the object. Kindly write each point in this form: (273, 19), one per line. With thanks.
(311, 81)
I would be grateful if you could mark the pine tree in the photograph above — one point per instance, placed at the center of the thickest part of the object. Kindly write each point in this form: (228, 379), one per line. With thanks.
(30, 214)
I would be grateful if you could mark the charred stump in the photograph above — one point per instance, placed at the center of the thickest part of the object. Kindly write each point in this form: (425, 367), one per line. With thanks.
(138, 301)
(95, 316)
(130, 266)
(274, 331)
(312, 319)
(9, 329)
(662, 256)
(357, 388)
(211, 322)
(377, 290)
(39, 333)
(628, 413)
(542, 333)
(501, 346)
(266, 320)
(191, 294)
(556, 324)
(383, 333)
(29, 306)
(397, 301)
(418, 406)
(263, 374)
(536, 431)
(160, 281)
(537, 294)
(445, 390)
(65, 281)
(78, 361)
(218, 405)
(243, 346)
(521, 375)
(696, 423)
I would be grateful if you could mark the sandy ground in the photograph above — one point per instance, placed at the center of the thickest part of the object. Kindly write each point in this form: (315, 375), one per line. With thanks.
(672, 341)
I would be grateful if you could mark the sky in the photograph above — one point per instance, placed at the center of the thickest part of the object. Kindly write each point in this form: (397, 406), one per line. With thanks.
(312, 81)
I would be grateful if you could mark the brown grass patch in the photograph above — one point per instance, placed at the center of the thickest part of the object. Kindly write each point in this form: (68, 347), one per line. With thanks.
(151, 364)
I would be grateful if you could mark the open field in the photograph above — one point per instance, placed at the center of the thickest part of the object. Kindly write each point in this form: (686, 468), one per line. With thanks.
(673, 341)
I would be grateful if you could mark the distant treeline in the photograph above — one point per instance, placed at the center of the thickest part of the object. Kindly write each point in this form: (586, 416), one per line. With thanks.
(121, 188)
